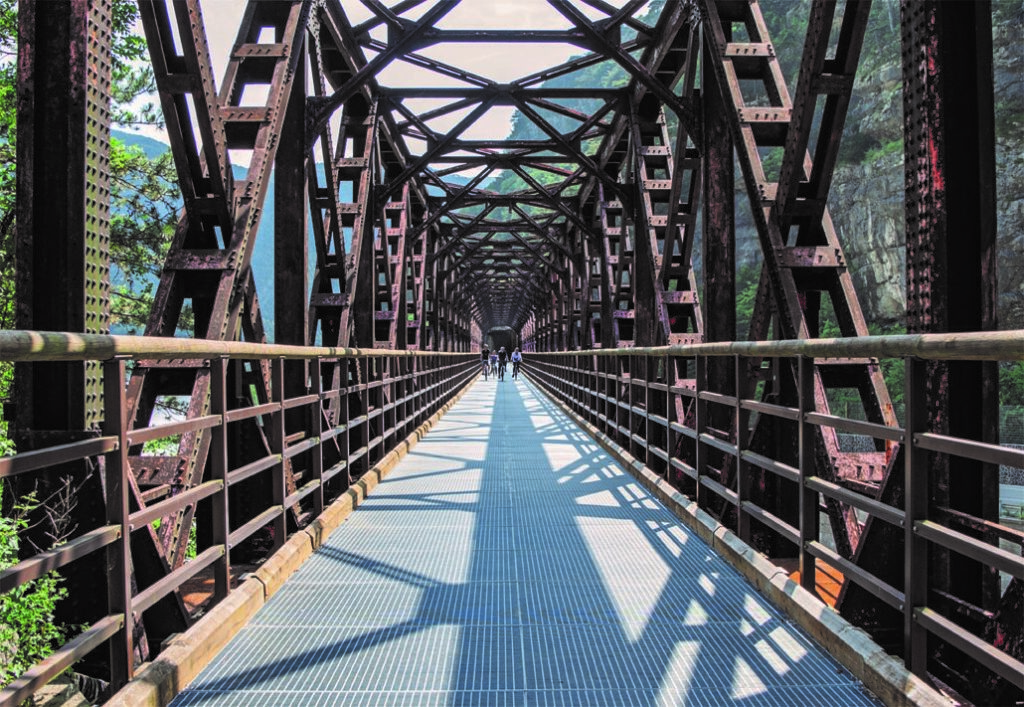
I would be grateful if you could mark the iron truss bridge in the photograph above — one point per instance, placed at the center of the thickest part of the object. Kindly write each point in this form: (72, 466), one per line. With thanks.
(408, 229)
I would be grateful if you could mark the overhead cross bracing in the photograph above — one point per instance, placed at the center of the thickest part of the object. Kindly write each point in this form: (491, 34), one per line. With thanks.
(511, 215)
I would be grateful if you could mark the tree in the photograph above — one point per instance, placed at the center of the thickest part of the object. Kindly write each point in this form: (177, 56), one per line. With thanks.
(144, 193)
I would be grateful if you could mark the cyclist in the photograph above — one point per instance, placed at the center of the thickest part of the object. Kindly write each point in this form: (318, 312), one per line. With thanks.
(502, 362)
(517, 359)
(494, 361)
(485, 360)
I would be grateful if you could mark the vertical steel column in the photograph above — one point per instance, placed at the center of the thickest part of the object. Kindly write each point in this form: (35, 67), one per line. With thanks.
(357, 324)
(63, 205)
(719, 242)
(951, 250)
(291, 241)
(62, 218)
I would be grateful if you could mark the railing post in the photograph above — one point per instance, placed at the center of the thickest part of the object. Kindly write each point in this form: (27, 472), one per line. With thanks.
(344, 437)
(700, 413)
(277, 446)
(808, 498)
(649, 373)
(578, 381)
(628, 442)
(915, 548)
(316, 426)
(119, 561)
(670, 410)
(221, 526)
(741, 420)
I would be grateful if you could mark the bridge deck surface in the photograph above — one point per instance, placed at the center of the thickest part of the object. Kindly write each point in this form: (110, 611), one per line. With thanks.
(508, 560)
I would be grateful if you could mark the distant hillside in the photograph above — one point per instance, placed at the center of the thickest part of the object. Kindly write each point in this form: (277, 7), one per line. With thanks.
(263, 256)
(150, 147)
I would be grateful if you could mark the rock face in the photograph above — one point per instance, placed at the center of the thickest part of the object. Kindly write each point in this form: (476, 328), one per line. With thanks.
(867, 210)
(866, 199)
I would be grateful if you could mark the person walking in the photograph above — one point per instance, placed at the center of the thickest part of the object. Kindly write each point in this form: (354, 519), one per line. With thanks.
(502, 363)
(517, 359)
(485, 359)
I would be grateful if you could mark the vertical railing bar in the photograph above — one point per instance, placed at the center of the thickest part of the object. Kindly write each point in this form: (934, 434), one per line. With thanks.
(700, 423)
(221, 525)
(670, 408)
(344, 417)
(277, 446)
(119, 564)
(740, 420)
(648, 374)
(316, 426)
(915, 548)
(627, 443)
(808, 500)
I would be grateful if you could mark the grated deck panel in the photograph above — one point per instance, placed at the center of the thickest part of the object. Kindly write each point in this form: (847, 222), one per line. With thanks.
(508, 561)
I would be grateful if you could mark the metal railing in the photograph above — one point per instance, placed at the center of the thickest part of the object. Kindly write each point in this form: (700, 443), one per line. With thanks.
(635, 398)
(394, 393)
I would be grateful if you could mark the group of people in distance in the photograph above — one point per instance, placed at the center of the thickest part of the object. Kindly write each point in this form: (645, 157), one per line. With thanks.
(497, 361)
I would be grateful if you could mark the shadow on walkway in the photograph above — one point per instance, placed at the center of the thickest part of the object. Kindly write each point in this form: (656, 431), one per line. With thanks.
(509, 561)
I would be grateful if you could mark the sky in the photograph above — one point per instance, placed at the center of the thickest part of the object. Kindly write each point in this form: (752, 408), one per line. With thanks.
(497, 62)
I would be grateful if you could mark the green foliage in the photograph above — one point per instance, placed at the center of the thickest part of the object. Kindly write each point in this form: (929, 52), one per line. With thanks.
(144, 200)
(746, 294)
(1011, 383)
(855, 147)
(28, 632)
(888, 148)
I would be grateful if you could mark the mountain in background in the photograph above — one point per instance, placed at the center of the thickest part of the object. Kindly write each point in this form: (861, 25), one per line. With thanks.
(263, 255)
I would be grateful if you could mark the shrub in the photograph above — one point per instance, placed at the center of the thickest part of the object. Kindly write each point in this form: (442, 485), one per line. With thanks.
(28, 632)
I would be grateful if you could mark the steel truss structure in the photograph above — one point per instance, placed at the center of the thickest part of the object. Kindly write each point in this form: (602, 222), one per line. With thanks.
(428, 235)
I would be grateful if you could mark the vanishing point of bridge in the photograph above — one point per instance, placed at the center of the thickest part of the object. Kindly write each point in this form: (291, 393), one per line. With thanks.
(655, 513)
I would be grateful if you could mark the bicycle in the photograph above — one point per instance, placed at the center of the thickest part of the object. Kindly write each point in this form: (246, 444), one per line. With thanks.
(515, 369)
(486, 368)
(501, 371)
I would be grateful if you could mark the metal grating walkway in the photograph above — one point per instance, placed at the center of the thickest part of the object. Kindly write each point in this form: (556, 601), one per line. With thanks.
(509, 561)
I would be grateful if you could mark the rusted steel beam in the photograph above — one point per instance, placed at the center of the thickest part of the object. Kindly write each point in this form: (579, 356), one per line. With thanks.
(62, 217)
(291, 241)
(950, 175)
(796, 292)
(62, 239)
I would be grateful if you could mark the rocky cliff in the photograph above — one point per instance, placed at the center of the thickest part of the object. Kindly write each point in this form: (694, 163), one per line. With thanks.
(866, 200)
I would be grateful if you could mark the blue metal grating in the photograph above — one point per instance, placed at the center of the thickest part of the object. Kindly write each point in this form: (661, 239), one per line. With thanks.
(508, 561)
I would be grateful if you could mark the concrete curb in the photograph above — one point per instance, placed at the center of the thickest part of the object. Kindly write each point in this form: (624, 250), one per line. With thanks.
(155, 684)
(882, 673)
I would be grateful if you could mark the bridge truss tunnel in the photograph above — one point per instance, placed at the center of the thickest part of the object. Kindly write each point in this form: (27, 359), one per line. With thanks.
(405, 217)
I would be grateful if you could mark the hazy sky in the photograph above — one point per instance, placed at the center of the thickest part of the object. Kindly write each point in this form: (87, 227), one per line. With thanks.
(497, 62)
